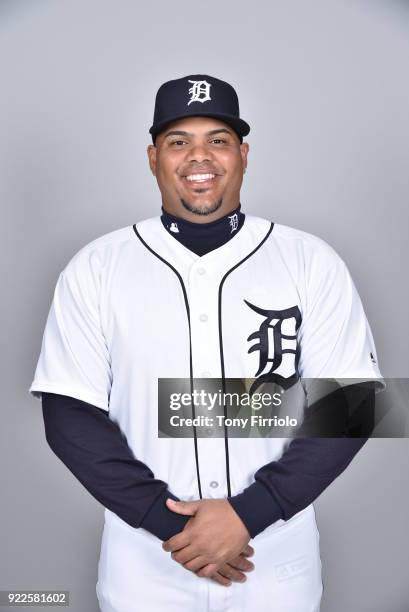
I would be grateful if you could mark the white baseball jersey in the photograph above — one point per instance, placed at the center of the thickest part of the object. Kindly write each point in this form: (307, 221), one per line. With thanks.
(136, 305)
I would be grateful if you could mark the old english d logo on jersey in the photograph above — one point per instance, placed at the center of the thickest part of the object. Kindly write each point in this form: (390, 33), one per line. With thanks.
(277, 336)
(199, 92)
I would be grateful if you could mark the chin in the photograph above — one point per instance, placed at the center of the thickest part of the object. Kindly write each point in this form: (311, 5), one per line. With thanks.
(202, 209)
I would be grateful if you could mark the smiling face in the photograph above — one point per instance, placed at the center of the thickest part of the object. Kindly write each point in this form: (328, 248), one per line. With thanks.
(198, 163)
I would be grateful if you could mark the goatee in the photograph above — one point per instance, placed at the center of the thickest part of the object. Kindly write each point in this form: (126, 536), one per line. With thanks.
(202, 210)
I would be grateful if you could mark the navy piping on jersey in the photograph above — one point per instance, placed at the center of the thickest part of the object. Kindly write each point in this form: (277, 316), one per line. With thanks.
(226, 439)
(190, 346)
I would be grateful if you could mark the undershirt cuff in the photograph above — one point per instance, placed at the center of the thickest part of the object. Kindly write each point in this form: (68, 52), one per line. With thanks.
(256, 508)
(161, 521)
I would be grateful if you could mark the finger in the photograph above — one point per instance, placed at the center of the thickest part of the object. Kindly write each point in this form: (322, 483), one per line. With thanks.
(220, 579)
(185, 555)
(182, 507)
(231, 573)
(196, 564)
(248, 551)
(178, 541)
(242, 564)
(208, 570)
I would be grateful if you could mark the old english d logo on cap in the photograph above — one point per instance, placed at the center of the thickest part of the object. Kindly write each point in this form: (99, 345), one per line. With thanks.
(199, 91)
(197, 95)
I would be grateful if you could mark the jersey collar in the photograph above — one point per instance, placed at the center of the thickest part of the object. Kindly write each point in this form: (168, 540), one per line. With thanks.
(226, 256)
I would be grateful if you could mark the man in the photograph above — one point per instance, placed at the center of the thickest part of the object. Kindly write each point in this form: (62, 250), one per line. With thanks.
(203, 291)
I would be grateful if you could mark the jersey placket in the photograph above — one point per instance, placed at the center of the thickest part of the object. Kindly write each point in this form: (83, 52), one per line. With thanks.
(202, 291)
(203, 286)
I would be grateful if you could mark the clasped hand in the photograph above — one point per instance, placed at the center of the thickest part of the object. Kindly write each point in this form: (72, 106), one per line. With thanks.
(214, 542)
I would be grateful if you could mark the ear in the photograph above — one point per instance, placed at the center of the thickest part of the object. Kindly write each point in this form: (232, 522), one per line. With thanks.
(244, 149)
(151, 150)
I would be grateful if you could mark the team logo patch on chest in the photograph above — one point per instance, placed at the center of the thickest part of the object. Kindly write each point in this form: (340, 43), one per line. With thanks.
(277, 345)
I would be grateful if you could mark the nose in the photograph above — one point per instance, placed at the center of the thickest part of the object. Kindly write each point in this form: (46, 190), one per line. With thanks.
(199, 153)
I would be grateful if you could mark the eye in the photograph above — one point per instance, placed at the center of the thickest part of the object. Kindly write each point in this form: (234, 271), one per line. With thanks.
(219, 140)
(177, 142)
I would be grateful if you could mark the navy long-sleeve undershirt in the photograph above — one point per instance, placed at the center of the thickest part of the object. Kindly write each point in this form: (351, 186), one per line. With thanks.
(96, 451)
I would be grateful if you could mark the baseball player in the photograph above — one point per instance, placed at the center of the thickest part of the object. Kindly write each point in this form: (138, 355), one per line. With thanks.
(201, 291)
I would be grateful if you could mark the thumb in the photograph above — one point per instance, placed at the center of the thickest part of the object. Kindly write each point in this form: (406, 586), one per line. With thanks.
(183, 507)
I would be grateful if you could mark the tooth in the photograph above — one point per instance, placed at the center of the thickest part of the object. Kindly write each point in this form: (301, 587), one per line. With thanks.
(200, 177)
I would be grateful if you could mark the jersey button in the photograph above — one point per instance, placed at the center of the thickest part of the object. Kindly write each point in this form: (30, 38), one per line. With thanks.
(214, 484)
(209, 431)
(201, 271)
(203, 317)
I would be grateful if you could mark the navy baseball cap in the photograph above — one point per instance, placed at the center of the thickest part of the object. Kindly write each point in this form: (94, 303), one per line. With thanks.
(197, 95)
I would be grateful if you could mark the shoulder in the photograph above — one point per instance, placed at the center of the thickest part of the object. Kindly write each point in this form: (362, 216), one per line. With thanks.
(104, 250)
(312, 245)
(90, 261)
(308, 259)
(294, 243)
(105, 243)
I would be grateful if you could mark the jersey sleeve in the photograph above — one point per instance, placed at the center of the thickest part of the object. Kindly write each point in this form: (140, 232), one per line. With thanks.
(74, 359)
(336, 341)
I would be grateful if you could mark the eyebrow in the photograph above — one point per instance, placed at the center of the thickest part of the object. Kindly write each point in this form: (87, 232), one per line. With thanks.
(183, 133)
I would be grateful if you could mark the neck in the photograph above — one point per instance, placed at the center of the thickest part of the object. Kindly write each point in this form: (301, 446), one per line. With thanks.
(200, 237)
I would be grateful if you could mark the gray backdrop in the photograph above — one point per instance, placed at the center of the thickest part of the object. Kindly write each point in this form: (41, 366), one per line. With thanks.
(324, 87)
